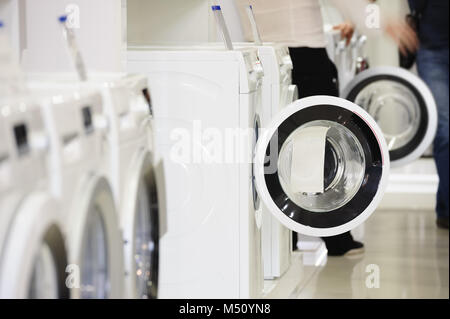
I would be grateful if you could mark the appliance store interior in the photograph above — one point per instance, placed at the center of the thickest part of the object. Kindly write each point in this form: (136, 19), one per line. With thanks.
(223, 149)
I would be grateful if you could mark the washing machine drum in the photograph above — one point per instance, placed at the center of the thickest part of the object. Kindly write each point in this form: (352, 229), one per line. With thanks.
(403, 107)
(321, 167)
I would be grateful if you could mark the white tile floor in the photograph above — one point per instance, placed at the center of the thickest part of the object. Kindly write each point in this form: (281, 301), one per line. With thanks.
(411, 253)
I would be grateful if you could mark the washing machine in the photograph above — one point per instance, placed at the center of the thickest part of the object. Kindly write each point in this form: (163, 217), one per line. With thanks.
(401, 104)
(33, 254)
(277, 92)
(213, 245)
(203, 98)
(135, 178)
(76, 126)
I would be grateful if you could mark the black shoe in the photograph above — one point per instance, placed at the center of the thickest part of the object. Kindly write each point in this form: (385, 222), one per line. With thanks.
(350, 249)
(442, 222)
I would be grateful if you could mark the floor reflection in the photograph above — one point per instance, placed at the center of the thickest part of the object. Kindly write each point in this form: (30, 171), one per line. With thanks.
(412, 256)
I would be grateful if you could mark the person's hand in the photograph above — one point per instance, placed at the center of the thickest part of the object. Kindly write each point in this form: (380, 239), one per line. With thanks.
(403, 35)
(347, 29)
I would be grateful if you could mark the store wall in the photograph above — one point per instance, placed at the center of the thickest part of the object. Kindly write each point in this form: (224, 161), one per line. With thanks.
(12, 14)
(176, 21)
(233, 19)
(97, 25)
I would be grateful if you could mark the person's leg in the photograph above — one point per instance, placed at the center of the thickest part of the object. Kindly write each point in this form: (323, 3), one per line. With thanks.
(433, 69)
(315, 74)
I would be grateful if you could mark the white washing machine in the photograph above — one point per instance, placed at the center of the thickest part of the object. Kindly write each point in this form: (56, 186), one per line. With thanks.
(76, 126)
(213, 245)
(212, 248)
(33, 255)
(135, 178)
(401, 104)
(277, 92)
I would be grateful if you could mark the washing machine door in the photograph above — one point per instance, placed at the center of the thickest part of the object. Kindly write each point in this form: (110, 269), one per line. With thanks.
(140, 224)
(321, 167)
(95, 244)
(402, 105)
(34, 257)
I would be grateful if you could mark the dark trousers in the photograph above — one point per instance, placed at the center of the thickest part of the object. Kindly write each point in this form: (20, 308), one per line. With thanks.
(315, 74)
(432, 65)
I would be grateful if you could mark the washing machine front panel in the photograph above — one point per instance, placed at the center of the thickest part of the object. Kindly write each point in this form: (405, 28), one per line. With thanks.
(403, 107)
(337, 184)
(94, 267)
(34, 258)
(140, 224)
(146, 242)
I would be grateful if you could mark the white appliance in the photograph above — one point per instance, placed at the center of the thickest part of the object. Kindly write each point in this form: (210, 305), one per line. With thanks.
(213, 245)
(212, 248)
(33, 255)
(135, 178)
(76, 126)
(401, 104)
(277, 92)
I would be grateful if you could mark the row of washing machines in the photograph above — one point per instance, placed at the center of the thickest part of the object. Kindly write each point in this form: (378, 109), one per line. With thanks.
(186, 179)
(79, 196)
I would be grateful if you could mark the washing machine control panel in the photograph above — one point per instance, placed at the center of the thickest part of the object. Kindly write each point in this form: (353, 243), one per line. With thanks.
(285, 64)
(22, 158)
(254, 68)
(139, 99)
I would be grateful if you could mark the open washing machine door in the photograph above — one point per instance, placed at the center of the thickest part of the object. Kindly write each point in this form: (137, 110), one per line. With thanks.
(95, 244)
(403, 107)
(321, 167)
(34, 257)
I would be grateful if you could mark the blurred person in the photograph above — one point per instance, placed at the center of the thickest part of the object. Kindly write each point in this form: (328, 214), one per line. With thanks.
(299, 24)
(432, 65)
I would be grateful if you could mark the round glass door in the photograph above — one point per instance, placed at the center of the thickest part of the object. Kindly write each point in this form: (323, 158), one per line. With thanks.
(344, 168)
(146, 242)
(94, 263)
(402, 106)
(322, 166)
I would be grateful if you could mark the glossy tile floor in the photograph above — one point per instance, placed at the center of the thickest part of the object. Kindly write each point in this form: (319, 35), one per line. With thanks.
(405, 249)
